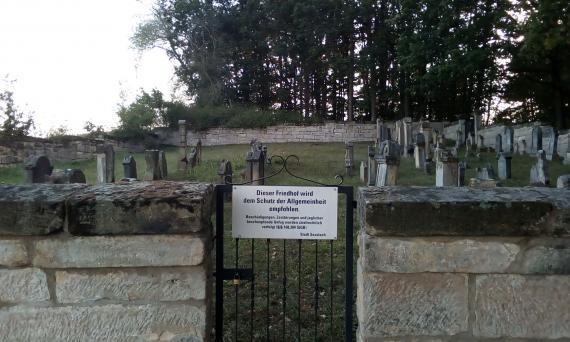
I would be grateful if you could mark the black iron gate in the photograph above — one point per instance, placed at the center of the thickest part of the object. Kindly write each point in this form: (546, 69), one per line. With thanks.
(267, 303)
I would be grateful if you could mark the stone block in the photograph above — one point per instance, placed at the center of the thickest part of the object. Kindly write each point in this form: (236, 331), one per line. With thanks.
(13, 253)
(545, 256)
(522, 306)
(120, 251)
(420, 304)
(33, 209)
(416, 255)
(170, 284)
(141, 208)
(464, 211)
(176, 322)
(23, 286)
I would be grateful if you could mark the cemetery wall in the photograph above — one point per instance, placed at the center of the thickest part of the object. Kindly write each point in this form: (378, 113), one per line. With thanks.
(106, 262)
(328, 132)
(16, 151)
(469, 264)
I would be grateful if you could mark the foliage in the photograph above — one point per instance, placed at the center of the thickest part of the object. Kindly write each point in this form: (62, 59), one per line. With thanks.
(92, 129)
(137, 119)
(13, 122)
(58, 132)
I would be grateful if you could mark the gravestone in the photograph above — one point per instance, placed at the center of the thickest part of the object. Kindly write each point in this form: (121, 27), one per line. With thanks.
(182, 137)
(37, 169)
(427, 131)
(458, 136)
(67, 176)
(485, 173)
(364, 172)
(563, 182)
(536, 143)
(504, 165)
(539, 173)
(382, 132)
(419, 152)
(349, 158)
(498, 143)
(225, 172)
(407, 122)
(106, 168)
(192, 158)
(129, 167)
(567, 159)
(476, 126)
(509, 134)
(461, 173)
(152, 171)
(199, 151)
(549, 141)
(162, 166)
(463, 129)
(255, 169)
(522, 148)
(371, 166)
(446, 173)
(388, 162)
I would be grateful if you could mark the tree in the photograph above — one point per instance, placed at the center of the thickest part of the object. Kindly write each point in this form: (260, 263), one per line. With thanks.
(137, 119)
(15, 123)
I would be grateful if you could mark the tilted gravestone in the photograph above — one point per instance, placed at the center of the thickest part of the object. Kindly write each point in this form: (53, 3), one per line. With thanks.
(105, 164)
(504, 165)
(539, 173)
(446, 169)
(388, 163)
(349, 158)
(37, 169)
(129, 167)
(371, 165)
(563, 182)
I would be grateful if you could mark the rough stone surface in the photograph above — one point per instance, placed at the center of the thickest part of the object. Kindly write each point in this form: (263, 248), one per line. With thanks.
(141, 208)
(416, 255)
(23, 286)
(180, 322)
(13, 253)
(522, 306)
(411, 304)
(120, 251)
(33, 209)
(464, 211)
(545, 256)
(123, 285)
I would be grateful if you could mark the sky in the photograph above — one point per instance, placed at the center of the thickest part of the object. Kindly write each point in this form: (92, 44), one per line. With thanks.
(72, 60)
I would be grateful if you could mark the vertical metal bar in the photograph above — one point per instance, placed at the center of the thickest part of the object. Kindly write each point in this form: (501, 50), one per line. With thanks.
(236, 287)
(267, 311)
(219, 263)
(316, 289)
(348, 260)
(332, 289)
(252, 303)
(299, 297)
(284, 287)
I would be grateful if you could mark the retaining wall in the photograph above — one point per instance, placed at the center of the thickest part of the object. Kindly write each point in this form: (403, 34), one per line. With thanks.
(468, 264)
(105, 263)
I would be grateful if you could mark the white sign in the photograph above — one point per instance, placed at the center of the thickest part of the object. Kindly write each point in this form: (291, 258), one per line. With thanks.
(284, 212)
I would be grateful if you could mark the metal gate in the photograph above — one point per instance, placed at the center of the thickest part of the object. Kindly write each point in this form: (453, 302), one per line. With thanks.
(284, 290)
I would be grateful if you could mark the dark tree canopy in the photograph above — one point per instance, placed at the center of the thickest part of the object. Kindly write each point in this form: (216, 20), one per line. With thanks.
(358, 59)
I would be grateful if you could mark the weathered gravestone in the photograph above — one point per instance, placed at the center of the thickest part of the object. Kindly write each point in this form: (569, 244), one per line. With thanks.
(37, 169)
(199, 151)
(225, 172)
(388, 162)
(485, 173)
(364, 172)
(382, 132)
(498, 143)
(349, 158)
(446, 169)
(255, 169)
(539, 174)
(536, 143)
(549, 141)
(182, 134)
(509, 134)
(407, 144)
(567, 159)
(371, 166)
(504, 165)
(563, 182)
(162, 165)
(192, 158)
(152, 171)
(461, 173)
(521, 145)
(129, 167)
(419, 151)
(105, 164)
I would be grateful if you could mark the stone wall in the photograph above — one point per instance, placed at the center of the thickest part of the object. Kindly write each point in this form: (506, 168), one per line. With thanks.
(16, 151)
(469, 264)
(328, 132)
(105, 263)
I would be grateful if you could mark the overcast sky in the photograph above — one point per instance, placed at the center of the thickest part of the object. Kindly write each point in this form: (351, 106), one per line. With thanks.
(71, 59)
